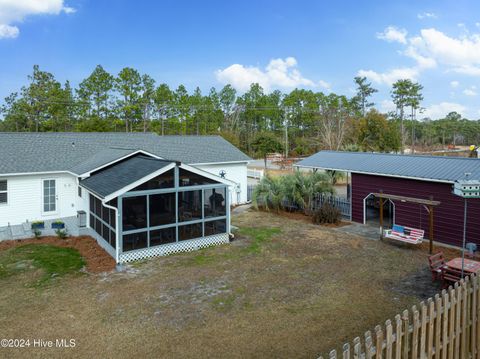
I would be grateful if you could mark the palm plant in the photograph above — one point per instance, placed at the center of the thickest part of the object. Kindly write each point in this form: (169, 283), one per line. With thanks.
(298, 189)
(269, 193)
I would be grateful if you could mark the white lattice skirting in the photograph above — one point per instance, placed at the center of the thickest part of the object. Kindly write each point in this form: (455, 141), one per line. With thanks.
(166, 249)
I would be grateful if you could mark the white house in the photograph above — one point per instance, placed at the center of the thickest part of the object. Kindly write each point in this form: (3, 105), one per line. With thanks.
(142, 194)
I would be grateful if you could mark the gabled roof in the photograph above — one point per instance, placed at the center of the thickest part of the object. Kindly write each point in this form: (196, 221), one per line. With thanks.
(77, 152)
(114, 178)
(428, 168)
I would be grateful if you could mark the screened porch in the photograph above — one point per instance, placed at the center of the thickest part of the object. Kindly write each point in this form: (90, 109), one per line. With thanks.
(174, 208)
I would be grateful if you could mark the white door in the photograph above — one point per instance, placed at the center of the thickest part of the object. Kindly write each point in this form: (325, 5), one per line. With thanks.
(50, 196)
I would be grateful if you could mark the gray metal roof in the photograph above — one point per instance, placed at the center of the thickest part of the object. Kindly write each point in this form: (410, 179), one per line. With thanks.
(77, 152)
(118, 176)
(436, 168)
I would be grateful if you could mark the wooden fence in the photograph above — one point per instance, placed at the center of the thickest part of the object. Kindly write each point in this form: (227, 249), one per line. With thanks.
(446, 326)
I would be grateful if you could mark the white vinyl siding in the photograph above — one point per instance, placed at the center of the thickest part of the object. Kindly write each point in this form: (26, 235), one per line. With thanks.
(236, 172)
(49, 195)
(3, 192)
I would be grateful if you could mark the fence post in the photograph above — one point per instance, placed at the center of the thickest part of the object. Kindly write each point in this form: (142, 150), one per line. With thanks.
(423, 329)
(416, 328)
(438, 325)
(346, 351)
(445, 324)
(398, 336)
(406, 334)
(379, 342)
(451, 320)
(368, 345)
(431, 322)
(357, 348)
(389, 339)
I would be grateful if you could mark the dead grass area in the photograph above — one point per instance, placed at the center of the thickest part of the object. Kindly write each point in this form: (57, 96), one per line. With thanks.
(284, 289)
(96, 258)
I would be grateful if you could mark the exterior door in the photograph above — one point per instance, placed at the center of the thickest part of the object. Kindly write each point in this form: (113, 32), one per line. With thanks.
(50, 196)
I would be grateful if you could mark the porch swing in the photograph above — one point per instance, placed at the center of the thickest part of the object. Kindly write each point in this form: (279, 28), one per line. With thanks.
(403, 233)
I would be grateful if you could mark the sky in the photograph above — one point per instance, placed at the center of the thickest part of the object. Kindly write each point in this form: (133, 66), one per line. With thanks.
(317, 45)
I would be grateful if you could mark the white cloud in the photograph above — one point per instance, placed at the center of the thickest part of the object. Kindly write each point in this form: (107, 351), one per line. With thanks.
(15, 11)
(281, 73)
(454, 84)
(389, 77)
(442, 109)
(393, 34)
(472, 91)
(8, 32)
(427, 15)
(429, 49)
(460, 54)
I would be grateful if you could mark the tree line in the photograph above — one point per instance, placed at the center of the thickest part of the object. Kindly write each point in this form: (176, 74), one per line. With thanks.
(297, 123)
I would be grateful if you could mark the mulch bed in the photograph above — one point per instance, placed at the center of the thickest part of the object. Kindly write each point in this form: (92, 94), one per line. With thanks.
(96, 258)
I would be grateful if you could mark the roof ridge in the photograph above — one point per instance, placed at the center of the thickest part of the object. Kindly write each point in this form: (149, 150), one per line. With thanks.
(401, 155)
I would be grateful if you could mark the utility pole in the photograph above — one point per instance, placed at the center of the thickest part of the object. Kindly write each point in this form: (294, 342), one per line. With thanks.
(285, 121)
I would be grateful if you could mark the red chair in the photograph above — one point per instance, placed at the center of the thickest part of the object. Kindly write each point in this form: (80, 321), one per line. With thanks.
(436, 262)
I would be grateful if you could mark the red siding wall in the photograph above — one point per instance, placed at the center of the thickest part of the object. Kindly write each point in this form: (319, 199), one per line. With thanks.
(448, 216)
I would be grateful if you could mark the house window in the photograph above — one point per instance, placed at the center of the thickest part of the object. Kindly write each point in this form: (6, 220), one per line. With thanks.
(79, 191)
(3, 192)
(49, 196)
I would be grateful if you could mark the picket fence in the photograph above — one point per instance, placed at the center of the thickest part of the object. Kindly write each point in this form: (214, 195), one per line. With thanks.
(446, 326)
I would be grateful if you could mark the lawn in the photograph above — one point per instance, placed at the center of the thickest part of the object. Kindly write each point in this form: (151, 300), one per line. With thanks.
(284, 289)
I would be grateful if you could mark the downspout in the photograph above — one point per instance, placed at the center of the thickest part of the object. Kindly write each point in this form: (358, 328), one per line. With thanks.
(116, 230)
(230, 235)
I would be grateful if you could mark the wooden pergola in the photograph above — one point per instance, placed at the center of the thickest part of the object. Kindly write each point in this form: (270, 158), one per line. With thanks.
(427, 203)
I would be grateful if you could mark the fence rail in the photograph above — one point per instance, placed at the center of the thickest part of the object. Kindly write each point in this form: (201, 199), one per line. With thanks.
(342, 203)
(446, 326)
(254, 173)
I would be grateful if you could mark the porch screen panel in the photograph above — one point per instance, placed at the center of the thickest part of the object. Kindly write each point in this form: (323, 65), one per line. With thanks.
(134, 213)
(162, 209)
(189, 205)
(215, 202)
(102, 220)
(215, 227)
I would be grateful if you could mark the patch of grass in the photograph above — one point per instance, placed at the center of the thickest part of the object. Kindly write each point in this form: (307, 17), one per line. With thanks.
(224, 303)
(53, 261)
(259, 236)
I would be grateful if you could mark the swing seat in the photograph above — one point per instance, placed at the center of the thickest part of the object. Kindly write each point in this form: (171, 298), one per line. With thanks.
(405, 234)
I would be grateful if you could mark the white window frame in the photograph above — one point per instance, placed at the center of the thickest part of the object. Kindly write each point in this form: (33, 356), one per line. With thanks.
(43, 196)
(6, 191)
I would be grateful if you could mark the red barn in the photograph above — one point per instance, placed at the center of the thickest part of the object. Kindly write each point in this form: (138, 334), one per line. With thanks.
(422, 177)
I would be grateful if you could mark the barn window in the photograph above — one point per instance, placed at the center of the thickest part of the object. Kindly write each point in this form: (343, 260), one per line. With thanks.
(3, 192)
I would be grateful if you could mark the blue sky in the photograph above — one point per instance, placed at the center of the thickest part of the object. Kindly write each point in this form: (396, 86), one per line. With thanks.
(319, 45)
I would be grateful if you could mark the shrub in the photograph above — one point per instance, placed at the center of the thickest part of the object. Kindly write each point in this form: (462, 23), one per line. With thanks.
(36, 232)
(61, 233)
(326, 214)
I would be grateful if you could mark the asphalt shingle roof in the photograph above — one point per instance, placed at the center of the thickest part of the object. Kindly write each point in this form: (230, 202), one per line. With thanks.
(77, 152)
(116, 177)
(437, 168)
